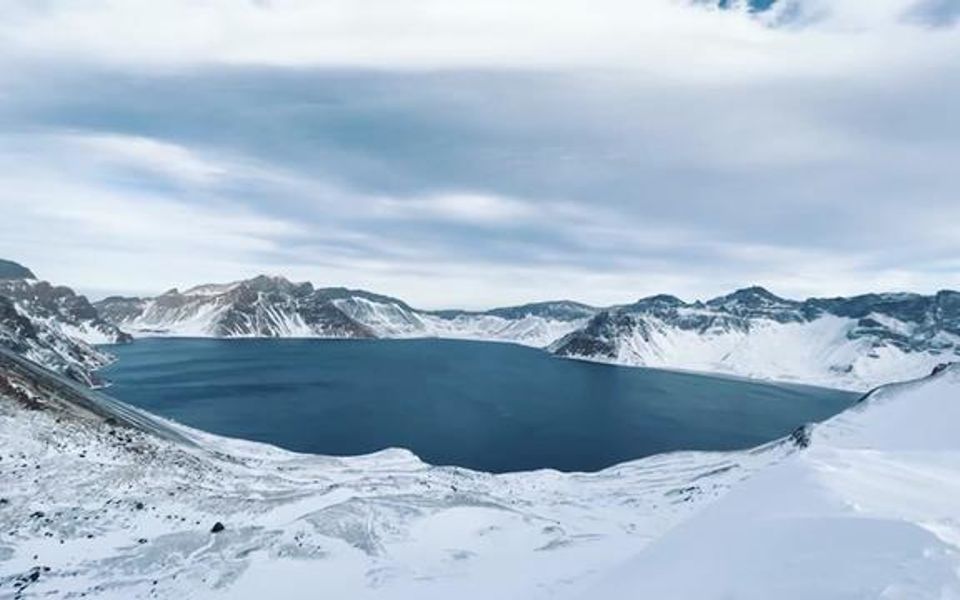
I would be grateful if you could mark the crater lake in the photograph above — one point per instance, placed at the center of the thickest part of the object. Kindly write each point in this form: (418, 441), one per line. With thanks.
(488, 406)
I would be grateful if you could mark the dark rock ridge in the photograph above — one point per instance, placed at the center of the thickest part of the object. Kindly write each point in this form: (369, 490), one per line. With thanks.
(54, 326)
(260, 307)
(908, 322)
(12, 270)
(268, 306)
(558, 310)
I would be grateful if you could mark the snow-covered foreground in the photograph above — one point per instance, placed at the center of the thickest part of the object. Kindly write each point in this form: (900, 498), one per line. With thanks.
(871, 509)
(93, 506)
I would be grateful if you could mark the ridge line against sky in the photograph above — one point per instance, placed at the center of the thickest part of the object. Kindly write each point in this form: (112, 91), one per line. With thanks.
(483, 153)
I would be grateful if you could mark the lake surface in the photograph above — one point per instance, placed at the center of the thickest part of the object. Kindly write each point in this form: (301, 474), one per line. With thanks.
(488, 406)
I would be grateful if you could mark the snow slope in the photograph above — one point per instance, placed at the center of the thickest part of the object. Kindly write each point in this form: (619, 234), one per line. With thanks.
(90, 505)
(817, 352)
(857, 343)
(52, 325)
(104, 500)
(870, 510)
(274, 307)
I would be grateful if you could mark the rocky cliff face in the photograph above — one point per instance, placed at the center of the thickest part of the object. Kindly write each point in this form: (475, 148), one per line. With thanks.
(259, 307)
(275, 307)
(855, 343)
(53, 326)
(12, 270)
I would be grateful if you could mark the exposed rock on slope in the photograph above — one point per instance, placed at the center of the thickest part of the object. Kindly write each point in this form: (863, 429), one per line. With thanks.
(855, 343)
(259, 307)
(53, 326)
(275, 307)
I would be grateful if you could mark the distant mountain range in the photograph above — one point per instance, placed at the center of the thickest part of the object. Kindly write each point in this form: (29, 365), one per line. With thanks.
(853, 343)
(274, 307)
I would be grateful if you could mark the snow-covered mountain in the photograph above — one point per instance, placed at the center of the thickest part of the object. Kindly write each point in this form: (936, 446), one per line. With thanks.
(52, 325)
(101, 500)
(853, 343)
(259, 307)
(275, 307)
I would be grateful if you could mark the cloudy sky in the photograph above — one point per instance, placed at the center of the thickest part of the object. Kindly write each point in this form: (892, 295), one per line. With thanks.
(483, 152)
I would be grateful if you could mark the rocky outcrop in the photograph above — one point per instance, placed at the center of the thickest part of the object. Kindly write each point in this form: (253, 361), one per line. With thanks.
(54, 326)
(855, 343)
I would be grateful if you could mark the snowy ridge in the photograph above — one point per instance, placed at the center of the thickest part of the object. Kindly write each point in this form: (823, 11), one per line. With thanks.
(274, 307)
(852, 343)
(855, 343)
(259, 307)
(52, 325)
(96, 503)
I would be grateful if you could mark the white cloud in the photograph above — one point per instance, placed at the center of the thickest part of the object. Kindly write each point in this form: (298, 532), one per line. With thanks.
(144, 153)
(457, 207)
(670, 37)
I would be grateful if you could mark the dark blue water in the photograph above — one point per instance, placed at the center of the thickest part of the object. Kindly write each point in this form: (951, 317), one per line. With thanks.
(488, 406)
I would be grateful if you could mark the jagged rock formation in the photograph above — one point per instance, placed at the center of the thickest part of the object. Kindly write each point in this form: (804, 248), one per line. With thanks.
(53, 326)
(259, 307)
(855, 343)
(275, 307)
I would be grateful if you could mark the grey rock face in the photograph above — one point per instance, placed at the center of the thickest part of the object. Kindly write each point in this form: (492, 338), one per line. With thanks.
(558, 310)
(908, 322)
(259, 307)
(54, 326)
(12, 270)
(42, 300)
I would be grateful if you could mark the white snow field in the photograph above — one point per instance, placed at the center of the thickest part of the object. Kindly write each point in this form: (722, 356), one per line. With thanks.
(871, 509)
(101, 500)
(820, 352)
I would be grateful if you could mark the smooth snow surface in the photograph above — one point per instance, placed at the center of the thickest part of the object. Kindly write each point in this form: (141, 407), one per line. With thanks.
(868, 510)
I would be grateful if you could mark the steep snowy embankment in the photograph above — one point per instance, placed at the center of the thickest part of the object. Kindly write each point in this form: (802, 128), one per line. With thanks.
(818, 352)
(52, 325)
(871, 509)
(851, 343)
(274, 307)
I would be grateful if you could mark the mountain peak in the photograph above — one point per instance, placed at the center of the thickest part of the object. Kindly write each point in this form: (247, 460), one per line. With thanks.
(268, 283)
(749, 296)
(14, 270)
(667, 299)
